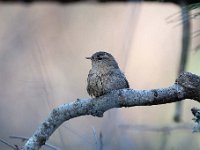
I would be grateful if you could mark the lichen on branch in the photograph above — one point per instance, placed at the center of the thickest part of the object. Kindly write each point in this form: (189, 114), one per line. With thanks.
(187, 86)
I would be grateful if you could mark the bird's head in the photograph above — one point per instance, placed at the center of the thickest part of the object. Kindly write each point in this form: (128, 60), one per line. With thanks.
(103, 59)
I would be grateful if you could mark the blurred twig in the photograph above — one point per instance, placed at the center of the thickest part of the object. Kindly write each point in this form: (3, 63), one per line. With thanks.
(9, 145)
(101, 141)
(148, 128)
(84, 138)
(26, 138)
(165, 130)
(196, 34)
(185, 15)
(178, 18)
(98, 140)
(95, 137)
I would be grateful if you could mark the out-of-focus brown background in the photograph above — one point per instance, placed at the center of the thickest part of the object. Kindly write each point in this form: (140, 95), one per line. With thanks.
(42, 65)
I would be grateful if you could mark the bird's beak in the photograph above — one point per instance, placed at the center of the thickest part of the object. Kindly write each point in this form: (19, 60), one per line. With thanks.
(88, 57)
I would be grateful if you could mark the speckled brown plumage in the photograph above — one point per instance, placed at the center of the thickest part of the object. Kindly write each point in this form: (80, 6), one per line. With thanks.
(105, 75)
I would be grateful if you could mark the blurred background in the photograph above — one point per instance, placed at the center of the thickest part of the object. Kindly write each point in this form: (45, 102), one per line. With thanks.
(43, 46)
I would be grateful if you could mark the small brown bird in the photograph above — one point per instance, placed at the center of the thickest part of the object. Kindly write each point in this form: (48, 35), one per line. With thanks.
(105, 75)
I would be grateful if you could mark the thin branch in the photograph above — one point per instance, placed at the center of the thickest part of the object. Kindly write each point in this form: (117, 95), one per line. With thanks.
(8, 144)
(148, 128)
(177, 17)
(100, 141)
(84, 138)
(195, 34)
(19, 137)
(95, 137)
(165, 130)
(26, 138)
(187, 86)
(184, 52)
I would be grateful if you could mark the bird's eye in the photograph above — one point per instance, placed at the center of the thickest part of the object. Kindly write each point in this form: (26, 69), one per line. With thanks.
(99, 58)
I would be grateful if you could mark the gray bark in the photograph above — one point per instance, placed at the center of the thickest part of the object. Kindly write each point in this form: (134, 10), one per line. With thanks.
(186, 86)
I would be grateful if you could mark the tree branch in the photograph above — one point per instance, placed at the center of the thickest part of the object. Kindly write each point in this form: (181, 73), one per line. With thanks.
(186, 86)
(26, 138)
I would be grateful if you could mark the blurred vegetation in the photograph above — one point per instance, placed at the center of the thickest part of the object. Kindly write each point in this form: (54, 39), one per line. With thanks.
(194, 7)
(194, 59)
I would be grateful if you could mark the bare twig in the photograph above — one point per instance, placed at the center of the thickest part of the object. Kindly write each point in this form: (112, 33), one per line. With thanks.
(84, 138)
(165, 130)
(100, 141)
(26, 138)
(8, 144)
(185, 14)
(187, 86)
(19, 137)
(95, 137)
(148, 128)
